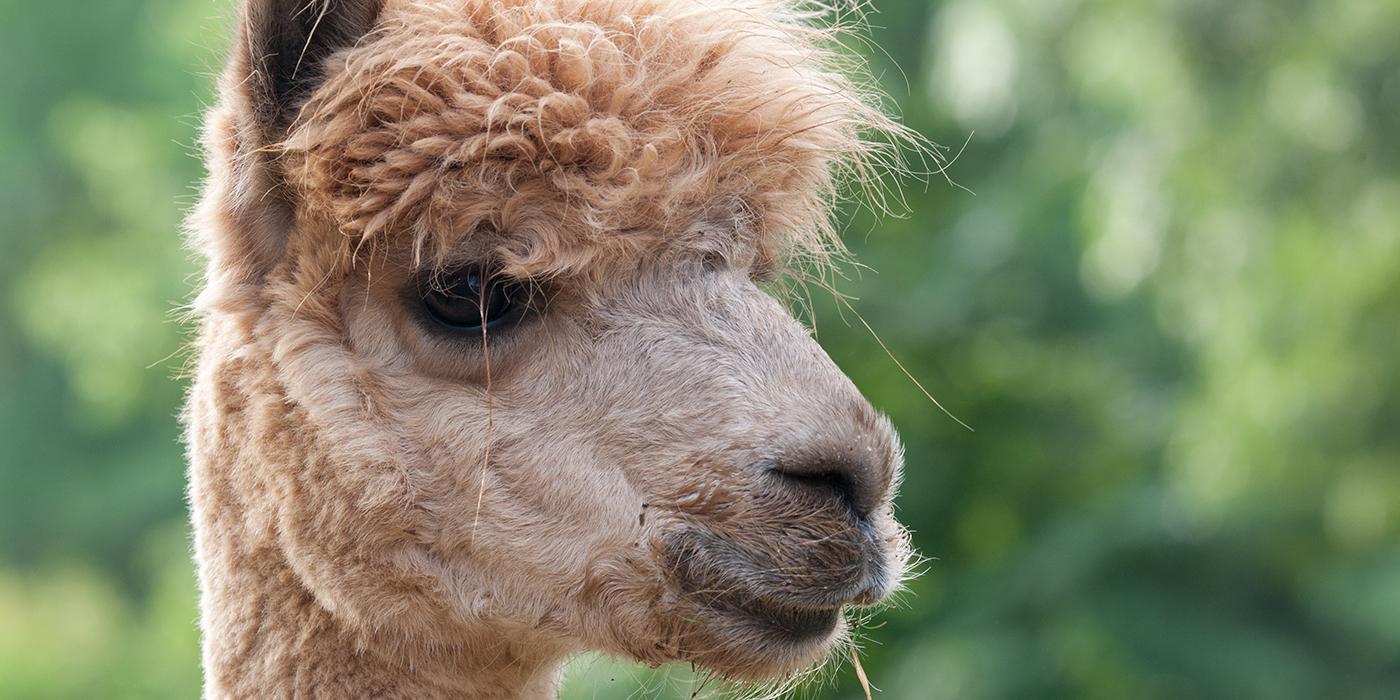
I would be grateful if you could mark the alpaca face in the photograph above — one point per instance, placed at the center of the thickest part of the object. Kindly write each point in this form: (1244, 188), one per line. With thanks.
(659, 461)
(498, 264)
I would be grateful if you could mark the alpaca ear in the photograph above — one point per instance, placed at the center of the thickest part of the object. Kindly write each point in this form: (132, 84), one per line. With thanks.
(282, 48)
(278, 59)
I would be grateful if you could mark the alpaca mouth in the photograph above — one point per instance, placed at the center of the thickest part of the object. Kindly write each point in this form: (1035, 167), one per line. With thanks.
(775, 619)
(771, 599)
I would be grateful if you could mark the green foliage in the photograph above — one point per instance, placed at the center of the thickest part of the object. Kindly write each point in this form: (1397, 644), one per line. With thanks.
(69, 633)
(1168, 312)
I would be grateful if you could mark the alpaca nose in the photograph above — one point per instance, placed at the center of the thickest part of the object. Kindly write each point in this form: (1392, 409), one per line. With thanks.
(858, 482)
(845, 457)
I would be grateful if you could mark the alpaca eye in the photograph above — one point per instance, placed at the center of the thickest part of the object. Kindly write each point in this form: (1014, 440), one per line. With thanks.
(471, 298)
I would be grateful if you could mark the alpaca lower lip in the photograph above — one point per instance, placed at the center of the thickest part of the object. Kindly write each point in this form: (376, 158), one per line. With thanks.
(795, 624)
(731, 581)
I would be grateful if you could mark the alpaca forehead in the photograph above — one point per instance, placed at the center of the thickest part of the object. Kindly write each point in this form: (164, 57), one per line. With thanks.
(580, 126)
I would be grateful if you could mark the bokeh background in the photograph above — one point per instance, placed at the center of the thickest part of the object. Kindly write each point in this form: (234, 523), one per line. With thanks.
(1168, 301)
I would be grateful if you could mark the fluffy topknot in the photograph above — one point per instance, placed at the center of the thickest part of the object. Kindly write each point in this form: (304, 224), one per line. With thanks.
(579, 128)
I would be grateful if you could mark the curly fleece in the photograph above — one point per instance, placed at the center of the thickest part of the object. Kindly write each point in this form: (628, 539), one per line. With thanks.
(581, 128)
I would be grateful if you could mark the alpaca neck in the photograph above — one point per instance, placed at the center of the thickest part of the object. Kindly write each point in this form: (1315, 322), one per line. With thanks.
(266, 636)
(266, 632)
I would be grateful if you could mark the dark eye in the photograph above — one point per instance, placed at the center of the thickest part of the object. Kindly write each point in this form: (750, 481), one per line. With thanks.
(470, 298)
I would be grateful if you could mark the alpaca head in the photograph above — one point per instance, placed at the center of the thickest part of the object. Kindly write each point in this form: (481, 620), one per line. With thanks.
(499, 264)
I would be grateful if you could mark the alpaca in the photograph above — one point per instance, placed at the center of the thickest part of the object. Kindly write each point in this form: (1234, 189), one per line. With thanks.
(485, 374)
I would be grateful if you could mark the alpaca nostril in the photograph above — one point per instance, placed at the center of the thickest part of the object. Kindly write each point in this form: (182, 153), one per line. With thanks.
(847, 483)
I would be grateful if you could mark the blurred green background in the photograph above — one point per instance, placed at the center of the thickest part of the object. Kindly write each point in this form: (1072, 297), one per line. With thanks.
(1169, 311)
